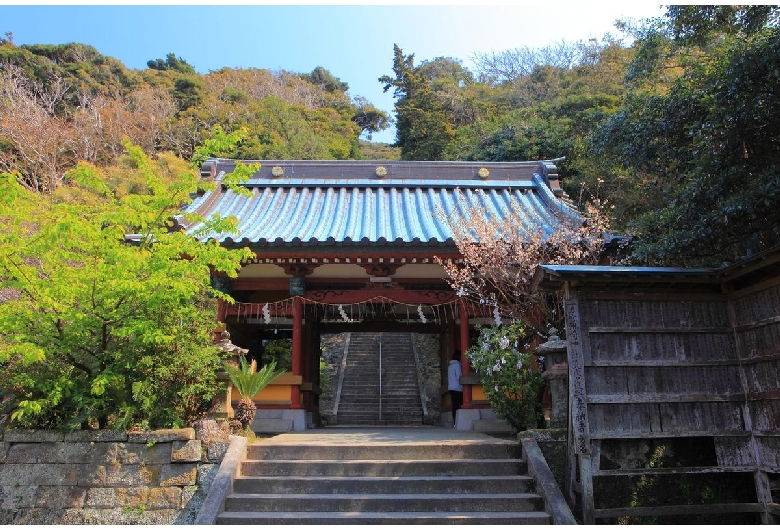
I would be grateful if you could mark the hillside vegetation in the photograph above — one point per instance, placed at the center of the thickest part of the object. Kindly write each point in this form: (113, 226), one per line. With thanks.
(677, 132)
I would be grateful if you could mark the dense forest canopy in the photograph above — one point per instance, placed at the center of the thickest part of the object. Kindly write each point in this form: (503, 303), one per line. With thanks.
(677, 131)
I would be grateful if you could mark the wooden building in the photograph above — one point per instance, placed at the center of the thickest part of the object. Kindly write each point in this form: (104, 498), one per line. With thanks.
(674, 390)
(353, 246)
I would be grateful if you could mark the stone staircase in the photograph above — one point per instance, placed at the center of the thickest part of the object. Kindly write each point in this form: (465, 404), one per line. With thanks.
(360, 400)
(383, 483)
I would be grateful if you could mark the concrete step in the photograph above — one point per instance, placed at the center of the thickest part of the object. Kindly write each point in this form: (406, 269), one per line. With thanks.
(371, 413)
(357, 422)
(491, 426)
(417, 502)
(375, 413)
(359, 394)
(386, 408)
(398, 518)
(363, 402)
(373, 386)
(388, 479)
(372, 422)
(385, 400)
(383, 485)
(428, 451)
(381, 468)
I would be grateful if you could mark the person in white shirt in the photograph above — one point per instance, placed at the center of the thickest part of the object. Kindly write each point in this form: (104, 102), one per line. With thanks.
(454, 387)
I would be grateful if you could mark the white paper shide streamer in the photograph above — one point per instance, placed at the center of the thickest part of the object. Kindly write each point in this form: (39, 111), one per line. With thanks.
(422, 315)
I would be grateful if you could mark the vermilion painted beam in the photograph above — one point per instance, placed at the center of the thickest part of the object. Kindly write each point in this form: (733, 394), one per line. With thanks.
(283, 284)
(379, 295)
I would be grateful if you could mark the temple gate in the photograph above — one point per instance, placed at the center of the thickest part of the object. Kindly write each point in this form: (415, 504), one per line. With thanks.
(357, 246)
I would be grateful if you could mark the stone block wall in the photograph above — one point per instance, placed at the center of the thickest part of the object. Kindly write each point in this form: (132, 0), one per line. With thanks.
(105, 477)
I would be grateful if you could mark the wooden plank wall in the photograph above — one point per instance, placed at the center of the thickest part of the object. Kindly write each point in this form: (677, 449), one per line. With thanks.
(666, 364)
(755, 315)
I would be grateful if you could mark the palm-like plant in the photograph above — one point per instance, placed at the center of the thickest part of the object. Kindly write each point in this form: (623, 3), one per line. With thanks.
(248, 381)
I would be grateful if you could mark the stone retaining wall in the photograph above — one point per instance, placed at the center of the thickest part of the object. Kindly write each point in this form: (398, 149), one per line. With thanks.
(105, 477)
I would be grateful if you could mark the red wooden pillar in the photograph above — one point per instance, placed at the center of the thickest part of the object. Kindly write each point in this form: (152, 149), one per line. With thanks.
(306, 364)
(464, 345)
(297, 349)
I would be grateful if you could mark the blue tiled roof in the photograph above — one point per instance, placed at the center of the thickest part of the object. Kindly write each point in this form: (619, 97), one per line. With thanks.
(345, 203)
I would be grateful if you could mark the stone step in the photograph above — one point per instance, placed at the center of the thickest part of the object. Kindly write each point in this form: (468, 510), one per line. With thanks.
(374, 391)
(367, 417)
(383, 485)
(374, 422)
(378, 423)
(373, 418)
(365, 409)
(386, 406)
(397, 407)
(430, 451)
(359, 393)
(417, 502)
(438, 451)
(395, 399)
(398, 518)
(364, 384)
(340, 480)
(369, 382)
(374, 414)
(387, 398)
(381, 468)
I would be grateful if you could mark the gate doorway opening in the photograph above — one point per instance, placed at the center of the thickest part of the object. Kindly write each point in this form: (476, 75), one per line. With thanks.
(381, 378)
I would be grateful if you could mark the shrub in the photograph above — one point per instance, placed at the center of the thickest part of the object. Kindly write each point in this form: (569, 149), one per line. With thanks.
(511, 379)
(249, 381)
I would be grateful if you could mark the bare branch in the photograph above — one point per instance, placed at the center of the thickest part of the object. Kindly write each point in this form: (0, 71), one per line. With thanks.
(500, 256)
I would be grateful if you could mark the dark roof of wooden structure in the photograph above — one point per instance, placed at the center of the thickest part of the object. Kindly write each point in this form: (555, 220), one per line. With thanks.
(731, 277)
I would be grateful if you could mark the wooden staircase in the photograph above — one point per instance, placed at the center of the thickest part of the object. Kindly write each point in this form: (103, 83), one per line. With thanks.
(379, 385)
(410, 482)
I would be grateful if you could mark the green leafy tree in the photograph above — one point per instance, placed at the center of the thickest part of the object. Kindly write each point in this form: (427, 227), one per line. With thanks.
(369, 118)
(279, 351)
(171, 62)
(98, 330)
(188, 91)
(331, 83)
(422, 124)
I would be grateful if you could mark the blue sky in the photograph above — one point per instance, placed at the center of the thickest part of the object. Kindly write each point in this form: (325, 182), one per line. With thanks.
(355, 42)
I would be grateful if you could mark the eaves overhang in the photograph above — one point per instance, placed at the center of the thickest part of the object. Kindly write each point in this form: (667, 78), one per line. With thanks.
(728, 278)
